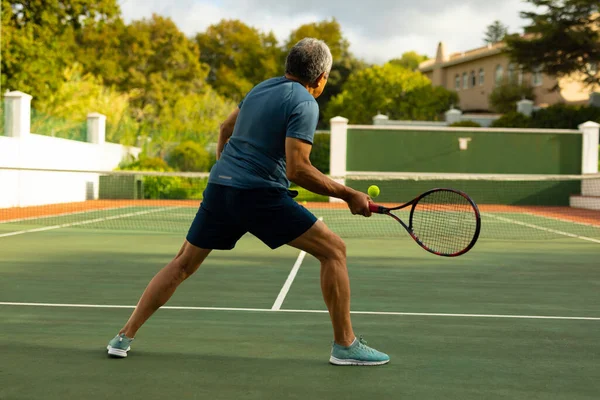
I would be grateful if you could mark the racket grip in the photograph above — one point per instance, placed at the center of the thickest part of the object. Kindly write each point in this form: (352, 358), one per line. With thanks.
(376, 208)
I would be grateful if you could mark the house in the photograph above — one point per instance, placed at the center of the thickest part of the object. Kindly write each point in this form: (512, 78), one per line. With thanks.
(475, 73)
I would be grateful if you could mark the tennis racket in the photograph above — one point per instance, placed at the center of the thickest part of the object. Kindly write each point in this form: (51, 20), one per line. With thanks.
(445, 222)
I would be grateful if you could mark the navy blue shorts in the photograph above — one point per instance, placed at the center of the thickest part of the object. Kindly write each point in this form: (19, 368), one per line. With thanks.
(227, 213)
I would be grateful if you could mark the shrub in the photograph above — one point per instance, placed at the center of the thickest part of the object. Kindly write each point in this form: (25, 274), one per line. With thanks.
(189, 156)
(558, 116)
(160, 187)
(504, 98)
(512, 119)
(561, 116)
(467, 124)
(319, 155)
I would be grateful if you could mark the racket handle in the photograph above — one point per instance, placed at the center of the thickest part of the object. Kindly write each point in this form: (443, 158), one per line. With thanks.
(376, 208)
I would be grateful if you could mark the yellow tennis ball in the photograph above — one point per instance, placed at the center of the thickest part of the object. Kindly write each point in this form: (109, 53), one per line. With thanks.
(304, 203)
(373, 191)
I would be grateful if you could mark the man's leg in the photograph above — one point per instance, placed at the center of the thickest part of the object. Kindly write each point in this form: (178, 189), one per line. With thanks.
(163, 285)
(330, 250)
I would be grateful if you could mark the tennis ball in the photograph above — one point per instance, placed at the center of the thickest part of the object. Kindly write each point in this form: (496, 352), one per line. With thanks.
(373, 191)
(304, 203)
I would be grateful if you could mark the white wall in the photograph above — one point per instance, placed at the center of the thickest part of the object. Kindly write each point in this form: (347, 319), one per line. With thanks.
(28, 188)
(22, 149)
(39, 151)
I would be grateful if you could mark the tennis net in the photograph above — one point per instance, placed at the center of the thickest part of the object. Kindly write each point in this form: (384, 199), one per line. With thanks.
(513, 207)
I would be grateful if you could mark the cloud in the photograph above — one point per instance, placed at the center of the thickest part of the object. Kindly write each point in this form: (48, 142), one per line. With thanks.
(378, 30)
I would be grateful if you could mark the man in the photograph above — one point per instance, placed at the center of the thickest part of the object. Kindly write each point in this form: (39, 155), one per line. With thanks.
(263, 144)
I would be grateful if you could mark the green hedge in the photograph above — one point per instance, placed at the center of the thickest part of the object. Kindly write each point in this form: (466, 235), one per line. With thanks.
(466, 123)
(165, 187)
(513, 119)
(558, 116)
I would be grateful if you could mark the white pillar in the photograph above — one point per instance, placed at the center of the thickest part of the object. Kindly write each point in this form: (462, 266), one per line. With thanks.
(589, 160)
(525, 107)
(96, 128)
(453, 115)
(380, 119)
(17, 114)
(337, 151)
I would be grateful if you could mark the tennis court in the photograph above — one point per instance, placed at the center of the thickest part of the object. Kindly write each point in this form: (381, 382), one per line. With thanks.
(518, 317)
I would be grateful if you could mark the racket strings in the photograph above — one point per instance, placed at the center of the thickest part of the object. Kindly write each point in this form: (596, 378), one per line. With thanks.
(444, 221)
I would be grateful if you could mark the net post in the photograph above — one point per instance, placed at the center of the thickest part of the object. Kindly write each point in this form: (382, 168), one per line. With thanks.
(338, 149)
(589, 160)
(17, 114)
(96, 128)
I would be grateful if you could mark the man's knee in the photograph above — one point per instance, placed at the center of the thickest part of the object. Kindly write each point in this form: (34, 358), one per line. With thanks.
(188, 260)
(335, 250)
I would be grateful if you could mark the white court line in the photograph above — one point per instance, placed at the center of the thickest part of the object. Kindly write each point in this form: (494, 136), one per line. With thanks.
(270, 310)
(288, 283)
(89, 221)
(541, 228)
(7, 221)
(563, 220)
(290, 279)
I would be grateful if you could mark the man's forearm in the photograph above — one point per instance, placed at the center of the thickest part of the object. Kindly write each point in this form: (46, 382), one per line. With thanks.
(226, 130)
(225, 133)
(314, 180)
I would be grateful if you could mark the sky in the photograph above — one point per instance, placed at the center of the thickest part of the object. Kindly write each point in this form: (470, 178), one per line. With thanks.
(378, 30)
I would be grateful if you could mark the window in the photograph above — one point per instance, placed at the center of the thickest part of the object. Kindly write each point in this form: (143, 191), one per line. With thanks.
(520, 75)
(457, 82)
(536, 76)
(481, 77)
(499, 74)
(473, 79)
(512, 69)
(465, 80)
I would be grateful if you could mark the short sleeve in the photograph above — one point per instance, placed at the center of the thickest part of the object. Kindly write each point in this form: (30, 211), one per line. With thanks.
(302, 123)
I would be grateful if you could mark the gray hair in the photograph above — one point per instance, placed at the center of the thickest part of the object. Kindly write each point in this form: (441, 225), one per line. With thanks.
(308, 59)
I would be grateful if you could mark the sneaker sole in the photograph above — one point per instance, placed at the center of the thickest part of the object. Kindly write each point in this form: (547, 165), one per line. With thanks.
(115, 352)
(350, 361)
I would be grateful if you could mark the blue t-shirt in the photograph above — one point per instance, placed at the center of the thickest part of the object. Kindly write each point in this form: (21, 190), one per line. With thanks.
(254, 157)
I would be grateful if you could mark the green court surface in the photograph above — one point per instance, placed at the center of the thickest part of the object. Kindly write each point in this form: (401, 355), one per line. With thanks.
(512, 319)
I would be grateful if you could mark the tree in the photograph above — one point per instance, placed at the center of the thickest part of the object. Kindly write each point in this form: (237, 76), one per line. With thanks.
(563, 39)
(239, 57)
(504, 97)
(495, 32)
(392, 90)
(410, 60)
(191, 116)
(344, 63)
(38, 38)
(100, 53)
(64, 112)
(161, 65)
(329, 31)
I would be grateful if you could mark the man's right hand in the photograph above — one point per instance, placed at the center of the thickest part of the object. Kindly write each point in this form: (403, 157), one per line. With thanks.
(358, 203)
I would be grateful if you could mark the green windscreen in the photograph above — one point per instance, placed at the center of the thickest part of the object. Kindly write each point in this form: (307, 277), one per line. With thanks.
(487, 152)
